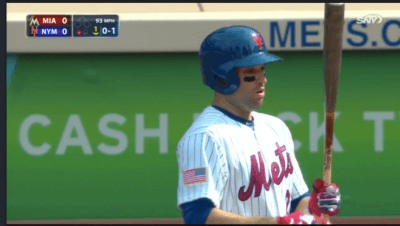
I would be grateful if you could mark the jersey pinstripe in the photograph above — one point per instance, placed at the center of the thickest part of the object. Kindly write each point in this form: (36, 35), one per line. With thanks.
(248, 172)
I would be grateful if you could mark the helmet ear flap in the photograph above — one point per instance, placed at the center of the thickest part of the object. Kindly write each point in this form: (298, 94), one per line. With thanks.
(221, 81)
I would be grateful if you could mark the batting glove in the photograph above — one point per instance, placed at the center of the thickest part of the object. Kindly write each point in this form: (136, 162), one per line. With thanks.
(324, 199)
(299, 218)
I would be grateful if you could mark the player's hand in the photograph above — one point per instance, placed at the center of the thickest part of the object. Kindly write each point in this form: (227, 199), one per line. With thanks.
(299, 218)
(324, 199)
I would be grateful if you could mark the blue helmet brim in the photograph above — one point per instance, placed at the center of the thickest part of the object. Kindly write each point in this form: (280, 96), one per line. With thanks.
(250, 61)
(257, 59)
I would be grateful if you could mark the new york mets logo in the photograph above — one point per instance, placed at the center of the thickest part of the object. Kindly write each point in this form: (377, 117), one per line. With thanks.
(258, 40)
(258, 178)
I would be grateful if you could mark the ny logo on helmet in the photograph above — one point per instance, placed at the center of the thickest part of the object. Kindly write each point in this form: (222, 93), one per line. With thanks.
(258, 40)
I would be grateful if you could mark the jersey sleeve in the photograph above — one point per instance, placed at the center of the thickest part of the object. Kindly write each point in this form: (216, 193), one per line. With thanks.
(203, 169)
(299, 187)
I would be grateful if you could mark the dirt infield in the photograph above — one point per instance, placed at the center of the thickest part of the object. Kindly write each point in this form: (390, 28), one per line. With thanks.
(335, 220)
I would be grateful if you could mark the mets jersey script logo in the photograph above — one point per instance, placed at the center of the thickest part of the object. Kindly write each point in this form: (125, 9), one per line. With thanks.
(243, 171)
(258, 178)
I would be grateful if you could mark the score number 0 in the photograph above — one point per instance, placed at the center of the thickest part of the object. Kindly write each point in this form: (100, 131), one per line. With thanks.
(64, 30)
(64, 20)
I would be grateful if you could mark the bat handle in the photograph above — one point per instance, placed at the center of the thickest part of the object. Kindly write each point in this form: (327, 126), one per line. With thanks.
(327, 172)
(326, 178)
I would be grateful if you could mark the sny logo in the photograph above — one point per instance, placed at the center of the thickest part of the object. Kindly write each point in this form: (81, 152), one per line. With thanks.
(370, 19)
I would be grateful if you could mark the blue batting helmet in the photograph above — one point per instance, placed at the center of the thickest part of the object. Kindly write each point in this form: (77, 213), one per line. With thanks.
(228, 48)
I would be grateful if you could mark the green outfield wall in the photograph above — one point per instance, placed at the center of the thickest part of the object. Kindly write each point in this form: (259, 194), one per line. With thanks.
(93, 136)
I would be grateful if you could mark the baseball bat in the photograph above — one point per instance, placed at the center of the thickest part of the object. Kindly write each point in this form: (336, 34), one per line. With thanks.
(332, 58)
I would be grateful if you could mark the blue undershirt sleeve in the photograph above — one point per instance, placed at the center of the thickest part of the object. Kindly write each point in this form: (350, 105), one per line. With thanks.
(196, 212)
(295, 202)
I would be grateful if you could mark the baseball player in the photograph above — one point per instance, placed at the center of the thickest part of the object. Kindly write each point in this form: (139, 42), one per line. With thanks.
(236, 165)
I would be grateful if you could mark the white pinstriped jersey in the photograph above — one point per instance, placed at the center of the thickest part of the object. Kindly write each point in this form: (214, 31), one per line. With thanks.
(247, 172)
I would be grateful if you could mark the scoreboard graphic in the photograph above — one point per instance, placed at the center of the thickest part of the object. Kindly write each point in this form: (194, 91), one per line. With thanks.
(72, 26)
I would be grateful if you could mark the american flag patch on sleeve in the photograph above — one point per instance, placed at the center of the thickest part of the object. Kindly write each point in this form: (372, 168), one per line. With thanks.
(194, 176)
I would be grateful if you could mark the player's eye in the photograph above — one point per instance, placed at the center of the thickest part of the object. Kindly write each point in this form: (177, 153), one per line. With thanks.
(249, 78)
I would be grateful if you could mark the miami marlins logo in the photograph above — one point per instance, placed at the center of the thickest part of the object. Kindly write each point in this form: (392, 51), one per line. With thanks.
(34, 21)
(258, 178)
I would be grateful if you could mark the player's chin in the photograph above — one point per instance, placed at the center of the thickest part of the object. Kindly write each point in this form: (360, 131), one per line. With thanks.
(257, 104)
(260, 101)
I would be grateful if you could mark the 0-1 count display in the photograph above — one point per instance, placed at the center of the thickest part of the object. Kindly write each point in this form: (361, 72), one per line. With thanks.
(95, 25)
